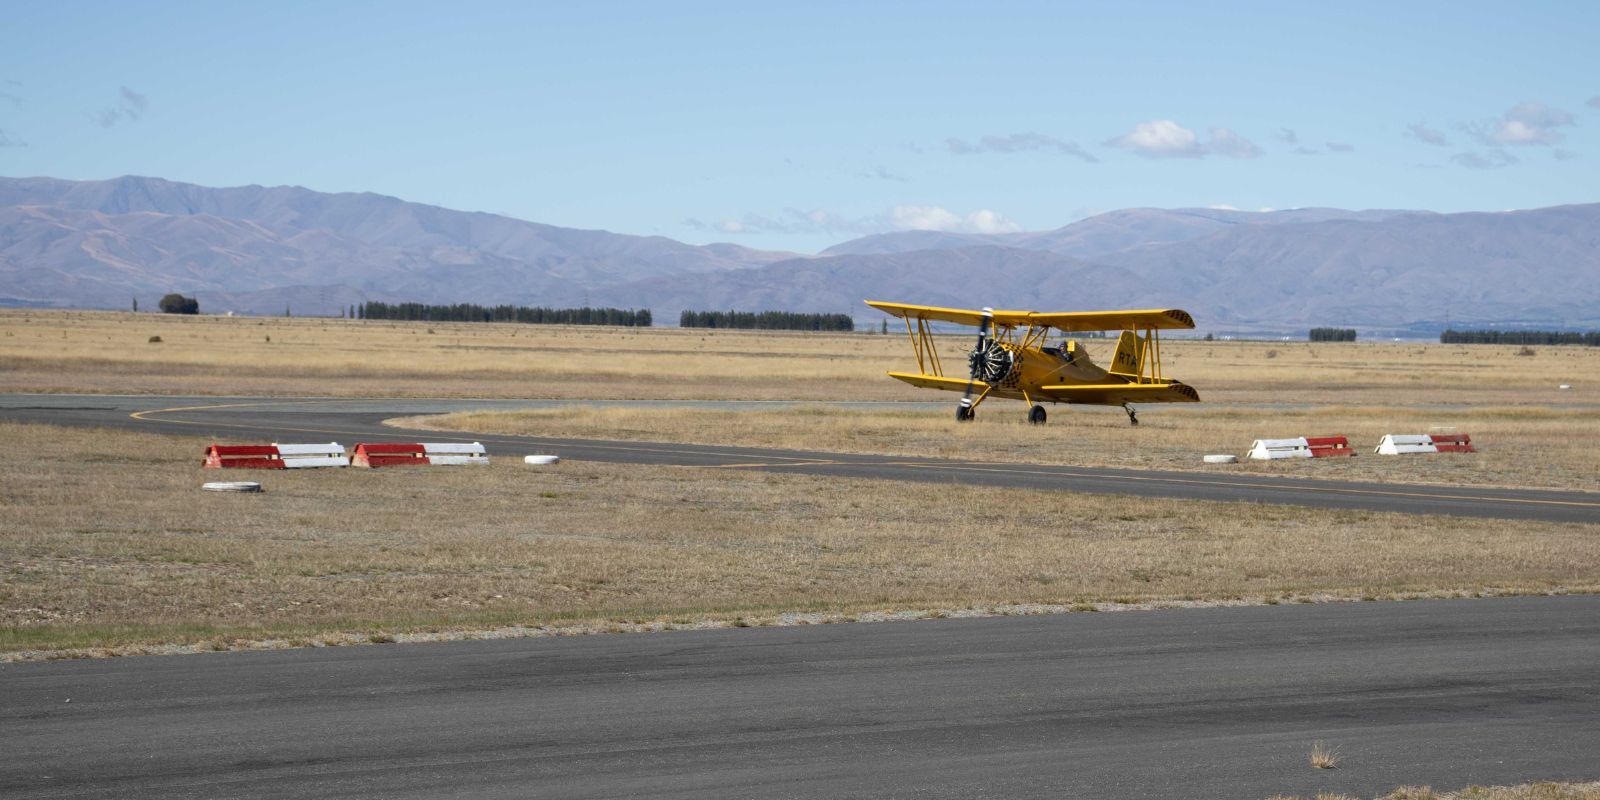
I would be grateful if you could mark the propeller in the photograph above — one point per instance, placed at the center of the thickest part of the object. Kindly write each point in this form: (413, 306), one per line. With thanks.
(979, 362)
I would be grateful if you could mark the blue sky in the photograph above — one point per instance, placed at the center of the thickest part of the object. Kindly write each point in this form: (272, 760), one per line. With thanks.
(795, 126)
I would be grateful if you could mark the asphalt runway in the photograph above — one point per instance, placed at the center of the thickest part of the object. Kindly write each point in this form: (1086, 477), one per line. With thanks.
(1195, 703)
(351, 421)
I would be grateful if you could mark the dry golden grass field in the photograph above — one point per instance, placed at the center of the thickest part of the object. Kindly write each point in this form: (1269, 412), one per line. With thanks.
(1531, 432)
(1521, 447)
(44, 351)
(92, 559)
(107, 543)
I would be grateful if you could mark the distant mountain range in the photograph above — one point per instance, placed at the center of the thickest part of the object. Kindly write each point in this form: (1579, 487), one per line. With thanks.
(257, 250)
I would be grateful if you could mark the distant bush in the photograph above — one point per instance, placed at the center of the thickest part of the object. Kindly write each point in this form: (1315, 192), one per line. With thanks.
(155, 340)
(178, 304)
(766, 320)
(1333, 334)
(1592, 338)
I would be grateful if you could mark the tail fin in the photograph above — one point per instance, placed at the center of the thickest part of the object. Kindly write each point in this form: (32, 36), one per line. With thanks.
(1129, 355)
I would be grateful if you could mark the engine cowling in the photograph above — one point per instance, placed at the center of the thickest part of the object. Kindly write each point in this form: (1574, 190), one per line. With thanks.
(991, 362)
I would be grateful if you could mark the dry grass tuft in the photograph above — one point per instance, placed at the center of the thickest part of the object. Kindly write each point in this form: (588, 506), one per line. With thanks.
(1323, 756)
(1527, 791)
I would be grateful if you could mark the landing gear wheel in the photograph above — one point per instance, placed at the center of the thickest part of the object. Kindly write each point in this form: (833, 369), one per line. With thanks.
(1036, 415)
(1132, 417)
(964, 414)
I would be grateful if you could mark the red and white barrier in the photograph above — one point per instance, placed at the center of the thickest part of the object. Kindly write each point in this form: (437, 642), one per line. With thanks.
(1329, 446)
(1268, 449)
(1397, 444)
(392, 454)
(1452, 443)
(1302, 447)
(275, 456)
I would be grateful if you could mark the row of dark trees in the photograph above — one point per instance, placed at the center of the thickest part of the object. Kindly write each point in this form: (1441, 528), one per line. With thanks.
(471, 312)
(767, 320)
(1592, 338)
(1333, 334)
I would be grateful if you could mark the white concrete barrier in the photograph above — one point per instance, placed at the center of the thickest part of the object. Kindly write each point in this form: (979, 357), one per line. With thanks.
(312, 455)
(1395, 444)
(450, 453)
(1265, 449)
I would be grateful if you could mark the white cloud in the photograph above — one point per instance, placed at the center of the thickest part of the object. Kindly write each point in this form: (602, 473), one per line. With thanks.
(1163, 138)
(898, 218)
(130, 106)
(933, 218)
(1225, 142)
(1494, 158)
(1524, 124)
(1019, 143)
(986, 221)
(1287, 136)
(1223, 207)
(882, 173)
(923, 218)
(1422, 133)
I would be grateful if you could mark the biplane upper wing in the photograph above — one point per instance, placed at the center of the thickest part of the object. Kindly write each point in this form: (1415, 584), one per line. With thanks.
(1116, 394)
(959, 316)
(1066, 321)
(1115, 320)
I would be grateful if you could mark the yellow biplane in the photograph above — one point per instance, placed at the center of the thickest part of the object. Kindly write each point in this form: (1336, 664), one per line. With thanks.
(1011, 358)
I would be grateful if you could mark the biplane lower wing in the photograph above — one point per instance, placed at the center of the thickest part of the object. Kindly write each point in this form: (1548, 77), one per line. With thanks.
(939, 382)
(1116, 394)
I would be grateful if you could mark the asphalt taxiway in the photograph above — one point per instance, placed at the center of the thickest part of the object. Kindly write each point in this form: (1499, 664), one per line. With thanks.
(1190, 703)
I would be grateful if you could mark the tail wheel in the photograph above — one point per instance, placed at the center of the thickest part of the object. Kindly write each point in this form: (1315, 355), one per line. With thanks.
(1036, 415)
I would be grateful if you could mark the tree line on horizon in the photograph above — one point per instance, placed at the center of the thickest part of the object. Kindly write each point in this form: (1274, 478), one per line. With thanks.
(1592, 338)
(766, 320)
(1333, 334)
(471, 312)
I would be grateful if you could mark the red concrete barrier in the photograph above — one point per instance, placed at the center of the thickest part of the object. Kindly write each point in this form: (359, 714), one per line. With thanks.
(401, 454)
(243, 456)
(1329, 446)
(275, 456)
(1452, 442)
